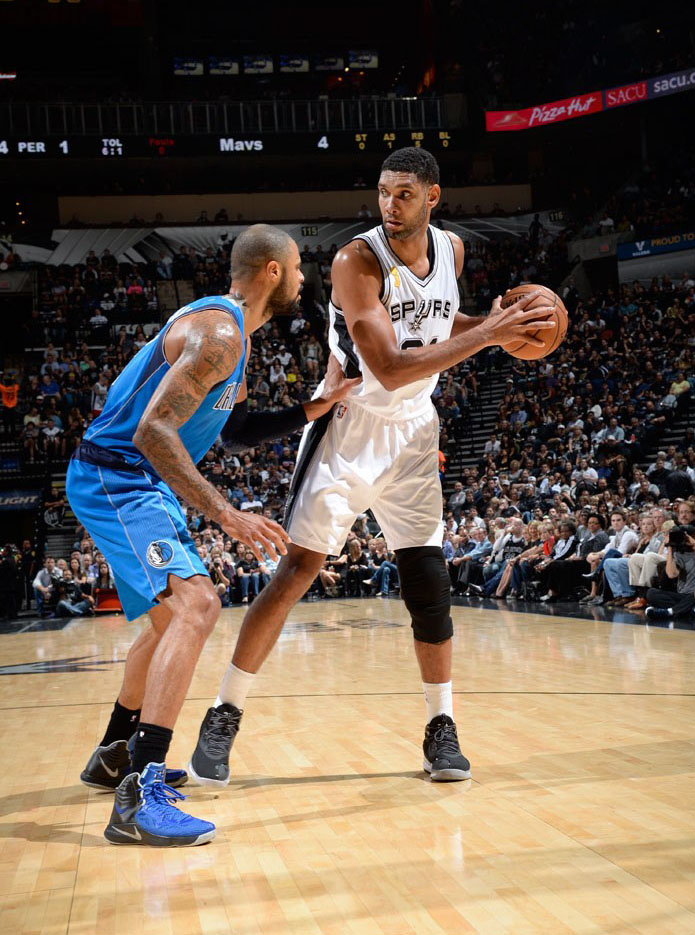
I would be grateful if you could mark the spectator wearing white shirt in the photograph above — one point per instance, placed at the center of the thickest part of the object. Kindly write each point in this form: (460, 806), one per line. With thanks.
(623, 542)
(107, 304)
(99, 393)
(98, 319)
(606, 225)
(492, 446)
(585, 477)
(297, 324)
(276, 372)
(44, 583)
(283, 355)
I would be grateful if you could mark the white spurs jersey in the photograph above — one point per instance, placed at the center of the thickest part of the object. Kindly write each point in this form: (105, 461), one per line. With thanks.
(421, 311)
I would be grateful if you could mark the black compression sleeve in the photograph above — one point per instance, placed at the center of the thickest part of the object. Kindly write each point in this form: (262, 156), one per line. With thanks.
(244, 429)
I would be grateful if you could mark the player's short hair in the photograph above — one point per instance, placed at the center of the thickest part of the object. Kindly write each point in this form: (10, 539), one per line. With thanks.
(256, 246)
(414, 160)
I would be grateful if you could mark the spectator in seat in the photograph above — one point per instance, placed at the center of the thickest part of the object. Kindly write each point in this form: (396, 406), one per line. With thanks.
(248, 572)
(99, 393)
(457, 499)
(330, 576)
(297, 324)
(564, 573)
(623, 542)
(219, 577)
(617, 569)
(514, 543)
(384, 569)
(534, 543)
(680, 388)
(685, 513)
(459, 548)
(527, 565)
(44, 585)
(357, 569)
(79, 576)
(103, 580)
(565, 547)
(644, 567)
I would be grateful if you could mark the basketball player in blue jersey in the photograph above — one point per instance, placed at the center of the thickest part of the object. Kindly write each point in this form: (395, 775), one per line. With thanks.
(394, 320)
(162, 414)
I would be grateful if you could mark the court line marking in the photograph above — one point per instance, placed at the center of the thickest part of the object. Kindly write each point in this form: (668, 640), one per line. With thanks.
(205, 699)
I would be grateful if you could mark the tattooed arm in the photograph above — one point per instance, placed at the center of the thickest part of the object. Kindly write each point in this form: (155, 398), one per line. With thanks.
(210, 348)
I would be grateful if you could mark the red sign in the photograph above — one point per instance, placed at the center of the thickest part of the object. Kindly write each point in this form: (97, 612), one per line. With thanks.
(627, 94)
(579, 106)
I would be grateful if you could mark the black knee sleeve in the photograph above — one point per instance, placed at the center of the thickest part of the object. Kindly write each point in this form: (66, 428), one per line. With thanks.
(425, 589)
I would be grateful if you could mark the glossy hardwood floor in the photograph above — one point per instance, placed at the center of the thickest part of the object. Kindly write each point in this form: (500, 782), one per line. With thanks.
(579, 818)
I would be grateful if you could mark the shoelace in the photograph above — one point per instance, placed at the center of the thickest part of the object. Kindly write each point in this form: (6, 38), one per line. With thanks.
(446, 739)
(161, 794)
(223, 725)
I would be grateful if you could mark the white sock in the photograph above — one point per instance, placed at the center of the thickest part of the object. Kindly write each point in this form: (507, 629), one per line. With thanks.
(234, 687)
(439, 699)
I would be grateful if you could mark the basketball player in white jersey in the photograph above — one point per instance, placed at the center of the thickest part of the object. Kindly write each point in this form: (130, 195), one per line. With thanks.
(394, 319)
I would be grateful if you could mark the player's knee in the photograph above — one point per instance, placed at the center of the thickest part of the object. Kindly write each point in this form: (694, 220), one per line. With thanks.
(207, 610)
(298, 569)
(426, 592)
(197, 601)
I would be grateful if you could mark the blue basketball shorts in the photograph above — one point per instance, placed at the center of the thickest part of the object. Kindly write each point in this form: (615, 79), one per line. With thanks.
(138, 523)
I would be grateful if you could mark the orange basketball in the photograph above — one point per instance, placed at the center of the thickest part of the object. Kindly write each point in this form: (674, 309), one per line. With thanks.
(552, 338)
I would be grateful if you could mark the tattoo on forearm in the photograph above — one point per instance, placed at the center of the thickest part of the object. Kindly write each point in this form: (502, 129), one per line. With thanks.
(211, 352)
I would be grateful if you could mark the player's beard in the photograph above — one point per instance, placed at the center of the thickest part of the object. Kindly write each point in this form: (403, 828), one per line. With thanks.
(417, 225)
(282, 301)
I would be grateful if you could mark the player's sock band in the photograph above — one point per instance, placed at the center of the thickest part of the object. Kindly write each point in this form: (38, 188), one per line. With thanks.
(122, 724)
(151, 745)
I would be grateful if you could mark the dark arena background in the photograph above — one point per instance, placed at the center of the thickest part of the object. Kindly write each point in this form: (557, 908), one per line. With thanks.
(138, 140)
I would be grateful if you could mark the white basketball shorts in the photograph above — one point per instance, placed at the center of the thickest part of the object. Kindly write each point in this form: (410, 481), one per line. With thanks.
(351, 461)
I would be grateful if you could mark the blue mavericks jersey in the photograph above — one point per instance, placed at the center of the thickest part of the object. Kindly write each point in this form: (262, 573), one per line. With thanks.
(132, 390)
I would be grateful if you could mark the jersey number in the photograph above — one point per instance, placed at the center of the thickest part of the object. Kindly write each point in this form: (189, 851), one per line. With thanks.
(415, 342)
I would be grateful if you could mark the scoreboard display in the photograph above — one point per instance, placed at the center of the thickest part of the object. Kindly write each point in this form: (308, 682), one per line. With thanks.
(233, 145)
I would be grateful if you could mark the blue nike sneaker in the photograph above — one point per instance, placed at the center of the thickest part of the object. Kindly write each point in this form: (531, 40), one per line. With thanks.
(145, 812)
(108, 767)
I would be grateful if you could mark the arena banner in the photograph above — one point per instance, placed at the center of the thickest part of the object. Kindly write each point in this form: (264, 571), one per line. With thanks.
(673, 83)
(20, 499)
(542, 114)
(667, 243)
(626, 94)
(591, 103)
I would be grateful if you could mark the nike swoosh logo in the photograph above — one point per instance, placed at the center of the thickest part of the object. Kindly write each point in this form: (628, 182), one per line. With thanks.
(112, 772)
(136, 836)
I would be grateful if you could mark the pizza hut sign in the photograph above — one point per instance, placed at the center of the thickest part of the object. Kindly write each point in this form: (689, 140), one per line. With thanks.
(578, 106)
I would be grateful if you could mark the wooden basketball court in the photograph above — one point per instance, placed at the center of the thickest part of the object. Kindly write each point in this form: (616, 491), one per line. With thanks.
(579, 819)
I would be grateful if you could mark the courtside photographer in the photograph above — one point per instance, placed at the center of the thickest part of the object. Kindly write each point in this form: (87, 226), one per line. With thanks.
(680, 565)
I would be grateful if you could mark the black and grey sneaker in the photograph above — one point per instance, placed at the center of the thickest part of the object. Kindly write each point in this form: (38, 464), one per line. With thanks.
(443, 758)
(209, 764)
(108, 767)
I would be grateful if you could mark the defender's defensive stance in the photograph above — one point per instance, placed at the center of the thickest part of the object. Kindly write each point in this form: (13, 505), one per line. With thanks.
(162, 414)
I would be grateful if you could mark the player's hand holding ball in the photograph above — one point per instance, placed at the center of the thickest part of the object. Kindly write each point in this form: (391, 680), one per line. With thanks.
(533, 338)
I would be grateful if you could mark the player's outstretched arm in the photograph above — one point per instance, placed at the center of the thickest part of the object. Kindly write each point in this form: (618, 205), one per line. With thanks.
(356, 286)
(211, 347)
